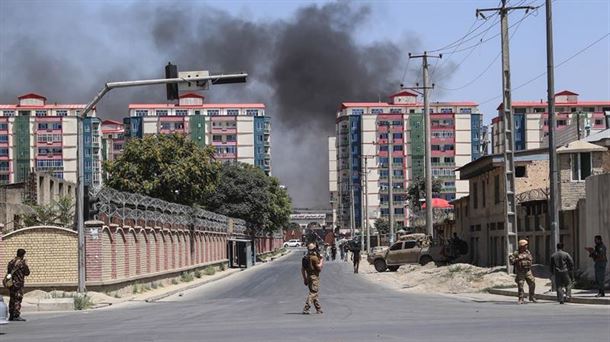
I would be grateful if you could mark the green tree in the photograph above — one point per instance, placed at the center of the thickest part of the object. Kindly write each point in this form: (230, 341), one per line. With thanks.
(382, 225)
(57, 213)
(245, 192)
(169, 167)
(417, 191)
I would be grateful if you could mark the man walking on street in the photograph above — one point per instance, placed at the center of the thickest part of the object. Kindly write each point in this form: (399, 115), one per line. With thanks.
(562, 267)
(310, 270)
(522, 261)
(18, 269)
(600, 259)
(356, 256)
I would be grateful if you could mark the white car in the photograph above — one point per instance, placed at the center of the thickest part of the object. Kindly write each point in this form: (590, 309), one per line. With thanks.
(292, 243)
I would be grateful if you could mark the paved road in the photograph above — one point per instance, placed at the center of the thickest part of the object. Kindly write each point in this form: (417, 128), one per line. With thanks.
(264, 304)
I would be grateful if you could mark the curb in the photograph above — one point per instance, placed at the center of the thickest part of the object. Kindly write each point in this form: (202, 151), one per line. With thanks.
(190, 287)
(576, 300)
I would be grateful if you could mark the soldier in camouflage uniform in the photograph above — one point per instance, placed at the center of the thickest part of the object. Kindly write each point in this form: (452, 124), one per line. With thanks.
(18, 268)
(522, 260)
(311, 277)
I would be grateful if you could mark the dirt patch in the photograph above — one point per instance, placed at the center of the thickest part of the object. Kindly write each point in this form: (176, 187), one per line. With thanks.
(456, 278)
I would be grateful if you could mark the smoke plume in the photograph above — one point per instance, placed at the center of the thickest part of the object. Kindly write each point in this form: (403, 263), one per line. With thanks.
(302, 67)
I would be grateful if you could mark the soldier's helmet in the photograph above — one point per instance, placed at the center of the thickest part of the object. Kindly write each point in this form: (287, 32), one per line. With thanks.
(311, 246)
(522, 243)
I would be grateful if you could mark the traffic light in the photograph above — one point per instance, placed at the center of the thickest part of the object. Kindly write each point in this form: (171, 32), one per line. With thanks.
(171, 71)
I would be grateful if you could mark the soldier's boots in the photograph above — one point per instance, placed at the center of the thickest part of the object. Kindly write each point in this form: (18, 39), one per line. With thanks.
(319, 311)
(16, 319)
(520, 301)
(533, 300)
(305, 312)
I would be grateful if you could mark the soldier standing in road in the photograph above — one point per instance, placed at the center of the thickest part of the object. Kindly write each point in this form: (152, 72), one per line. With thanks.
(562, 267)
(18, 269)
(310, 270)
(522, 260)
(356, 256)
(600, 259)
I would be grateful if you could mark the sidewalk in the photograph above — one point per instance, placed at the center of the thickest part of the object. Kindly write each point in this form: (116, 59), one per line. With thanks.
(543, 291)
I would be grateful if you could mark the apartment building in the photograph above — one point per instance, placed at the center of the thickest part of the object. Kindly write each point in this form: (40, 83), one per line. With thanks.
(238, 131)
(532, 127)
(371, 135)
(42, 137)
(113, 139)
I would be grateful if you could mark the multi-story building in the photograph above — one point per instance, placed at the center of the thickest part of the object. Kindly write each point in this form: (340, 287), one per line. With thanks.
(36, 136)
(364, 133)
(531, 121)
(238, 131)
(113, 138)
(332, 178)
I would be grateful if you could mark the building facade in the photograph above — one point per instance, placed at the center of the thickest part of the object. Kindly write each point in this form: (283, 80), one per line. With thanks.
(238, 131)
(41, 137)
(371, 135)
(531, 121)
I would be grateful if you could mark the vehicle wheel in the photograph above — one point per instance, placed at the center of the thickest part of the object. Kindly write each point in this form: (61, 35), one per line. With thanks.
(425, 260)
(393, 268)
(380, 265)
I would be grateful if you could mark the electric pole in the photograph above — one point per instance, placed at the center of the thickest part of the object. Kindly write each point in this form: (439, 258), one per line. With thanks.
(553, 170)
(510, 207)
(390, 181)
(427, 144)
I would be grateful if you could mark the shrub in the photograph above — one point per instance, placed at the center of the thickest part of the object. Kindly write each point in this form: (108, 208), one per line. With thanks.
(174, 281)
(136, 288)
(210, 270)
(154, 285)
(223, 266)
(186, 277)
(82, 302)
(197, 273)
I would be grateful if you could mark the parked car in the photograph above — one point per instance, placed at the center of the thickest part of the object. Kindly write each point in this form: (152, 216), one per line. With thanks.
(292, 243)
(414, 249)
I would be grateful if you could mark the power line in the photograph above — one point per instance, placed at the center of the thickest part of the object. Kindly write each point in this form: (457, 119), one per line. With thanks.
(556, 66)
(486, 68)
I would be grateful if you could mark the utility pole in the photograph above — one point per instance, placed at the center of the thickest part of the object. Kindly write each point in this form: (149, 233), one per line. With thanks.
(390, 181)
(352, 210)
(510, 207)
(201, 79)
(428, 145)
(553, 169)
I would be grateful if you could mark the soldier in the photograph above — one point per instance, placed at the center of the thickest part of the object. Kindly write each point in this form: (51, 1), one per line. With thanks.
(600, 259)
(356, 256)
(562, 267)
(18, 268)
(310, 270)
(522, 260)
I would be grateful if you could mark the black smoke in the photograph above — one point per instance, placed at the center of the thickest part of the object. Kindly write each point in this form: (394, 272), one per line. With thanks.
(302, 67)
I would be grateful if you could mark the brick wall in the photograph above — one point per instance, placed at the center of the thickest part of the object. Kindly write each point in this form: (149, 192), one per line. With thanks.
(51, 254)
(571, 191)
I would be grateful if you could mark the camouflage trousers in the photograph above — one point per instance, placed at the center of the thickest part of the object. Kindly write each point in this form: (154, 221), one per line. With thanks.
(14, 304)
(313, 282)
(523, 277)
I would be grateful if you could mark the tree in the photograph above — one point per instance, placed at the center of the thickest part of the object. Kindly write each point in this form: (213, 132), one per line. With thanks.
(417, 191)
(245, 192)
(169, 167)
(382, 225)
(57, 213)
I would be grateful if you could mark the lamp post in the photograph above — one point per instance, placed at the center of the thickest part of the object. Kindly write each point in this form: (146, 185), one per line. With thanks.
(201, 79)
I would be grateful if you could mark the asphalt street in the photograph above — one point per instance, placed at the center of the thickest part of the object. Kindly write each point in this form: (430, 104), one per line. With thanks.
(264, 304)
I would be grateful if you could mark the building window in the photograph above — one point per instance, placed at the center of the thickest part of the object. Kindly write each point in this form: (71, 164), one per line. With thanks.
(216, 138)
(161, 112)
(465, 110)
(397, 147)
(395, 110)
(3, 152)
(141, 112)
(234, 112)
(581, 166)
(9, 113)
(377, 111)
(231, 138)
(41, 113)
(483, 193)
(497, 189)
(62, 113)
(182, 112)
(397, 135)
(539, 110)
(4, 165)
(3, 138)
(213, 112)
(446, 110)
(520, 171)
(252, 112)
(398, 160)
(396, 123)
(561, 123)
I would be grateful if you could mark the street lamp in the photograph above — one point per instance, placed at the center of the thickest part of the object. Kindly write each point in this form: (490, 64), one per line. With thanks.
(193, 79)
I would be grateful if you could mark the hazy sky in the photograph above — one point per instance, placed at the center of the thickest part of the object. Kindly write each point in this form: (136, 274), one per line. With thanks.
(303, 58)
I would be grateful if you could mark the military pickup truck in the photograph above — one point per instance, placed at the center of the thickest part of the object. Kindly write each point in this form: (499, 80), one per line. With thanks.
(411, 249)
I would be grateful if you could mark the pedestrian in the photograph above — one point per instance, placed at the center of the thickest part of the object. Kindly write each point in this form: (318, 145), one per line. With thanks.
(522, 260)
(345, 252)
(342, 250)
(333, 251)
(310, 270)
(600, 261)
(562, 267)
(18, 269)
(356, 256)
